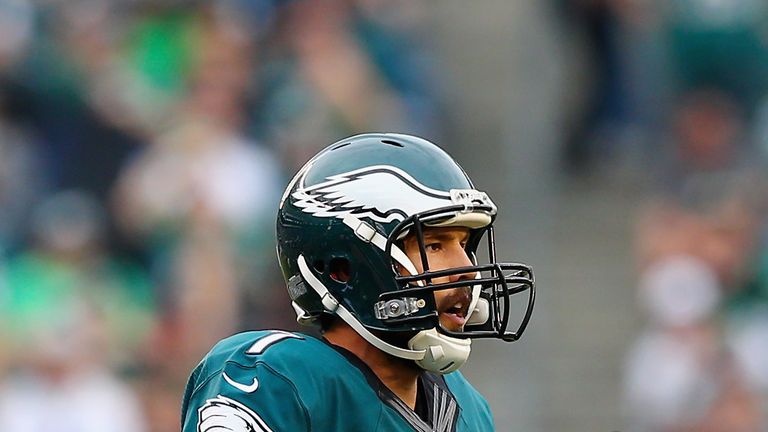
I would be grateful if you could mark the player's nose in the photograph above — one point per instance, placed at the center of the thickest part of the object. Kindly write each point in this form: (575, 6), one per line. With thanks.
(459, 259)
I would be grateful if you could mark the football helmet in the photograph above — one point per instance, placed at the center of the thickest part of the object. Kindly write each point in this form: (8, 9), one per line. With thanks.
(348, 210)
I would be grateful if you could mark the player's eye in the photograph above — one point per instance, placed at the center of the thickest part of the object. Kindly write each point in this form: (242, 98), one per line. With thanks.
(433, 247)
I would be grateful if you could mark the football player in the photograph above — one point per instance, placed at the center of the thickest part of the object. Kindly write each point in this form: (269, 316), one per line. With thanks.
(378, 238)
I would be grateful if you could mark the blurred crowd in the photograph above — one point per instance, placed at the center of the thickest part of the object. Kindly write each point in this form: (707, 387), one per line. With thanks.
(144, 146)
(679, 89)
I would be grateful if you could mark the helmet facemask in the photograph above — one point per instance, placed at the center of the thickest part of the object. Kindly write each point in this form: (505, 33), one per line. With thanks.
(491, 289)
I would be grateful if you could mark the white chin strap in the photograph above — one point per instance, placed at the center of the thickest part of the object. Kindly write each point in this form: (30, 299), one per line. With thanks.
(333, 306)
(442, 354)
(431, 350)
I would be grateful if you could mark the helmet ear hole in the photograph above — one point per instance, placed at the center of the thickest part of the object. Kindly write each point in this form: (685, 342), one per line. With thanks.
(339, 269)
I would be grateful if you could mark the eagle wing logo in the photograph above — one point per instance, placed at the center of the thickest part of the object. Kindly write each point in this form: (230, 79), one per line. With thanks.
(225, 414)
(382, 193)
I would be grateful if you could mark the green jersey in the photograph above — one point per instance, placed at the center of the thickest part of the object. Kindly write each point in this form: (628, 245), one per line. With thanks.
(278, 381)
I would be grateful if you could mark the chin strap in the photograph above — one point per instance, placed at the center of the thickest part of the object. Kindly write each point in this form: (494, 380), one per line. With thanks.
(333, 306)
(444, 354)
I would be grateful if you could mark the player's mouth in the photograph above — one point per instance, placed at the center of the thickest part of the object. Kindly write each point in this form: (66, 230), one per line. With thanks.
(453, 311)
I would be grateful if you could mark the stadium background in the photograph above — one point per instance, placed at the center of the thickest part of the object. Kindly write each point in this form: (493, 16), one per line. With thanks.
(144, 145)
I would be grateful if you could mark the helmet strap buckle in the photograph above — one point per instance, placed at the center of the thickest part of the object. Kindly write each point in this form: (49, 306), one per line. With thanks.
(329, 302)
(362, 230)
(398, 307)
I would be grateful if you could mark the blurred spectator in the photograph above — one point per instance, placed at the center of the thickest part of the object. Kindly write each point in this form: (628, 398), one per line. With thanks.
(709, 191)
(72, 316)
(67, 279)
(699, 373)
(710, 157)
(723, 238)
(203, 194)
(621, 82)
(604, 95)
(679, 375)
(332, 69)
(639, 54)
(719, 44)
(55, 90)
(56, 399)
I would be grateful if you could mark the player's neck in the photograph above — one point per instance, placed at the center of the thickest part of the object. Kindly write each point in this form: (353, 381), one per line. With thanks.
(397, 374)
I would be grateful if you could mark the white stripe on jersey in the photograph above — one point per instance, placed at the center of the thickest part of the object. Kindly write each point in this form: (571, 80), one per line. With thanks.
(265, 342)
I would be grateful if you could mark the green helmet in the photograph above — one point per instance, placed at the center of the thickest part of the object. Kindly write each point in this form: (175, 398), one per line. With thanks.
(347, 211)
